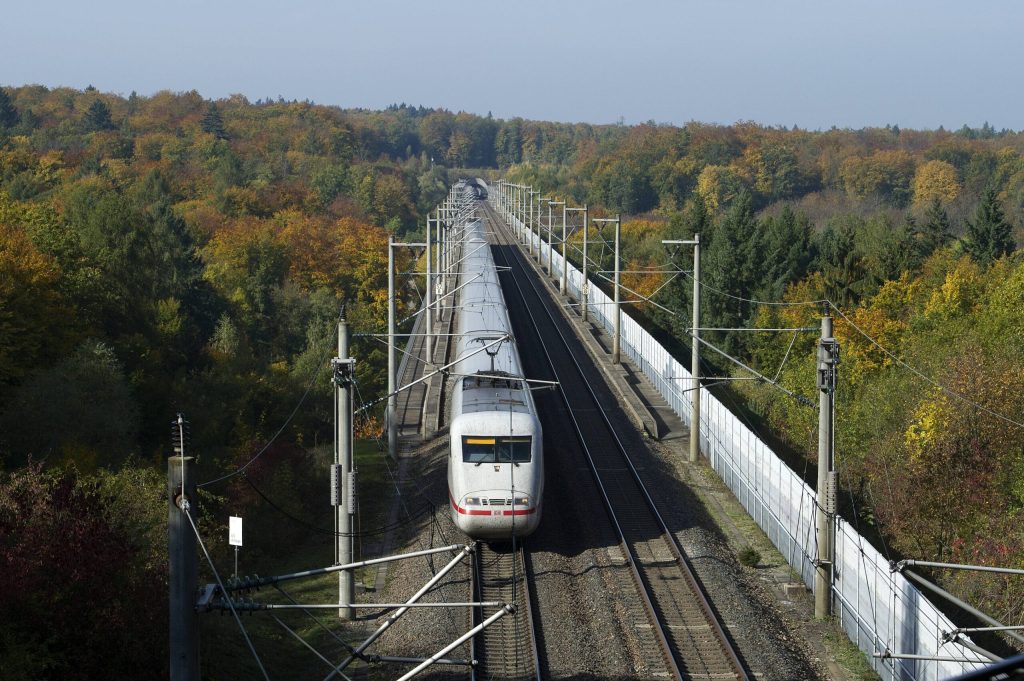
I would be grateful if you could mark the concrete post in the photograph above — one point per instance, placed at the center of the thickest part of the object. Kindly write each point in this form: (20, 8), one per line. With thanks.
(585, 285)
(828, 352)
(618, 315)
(695, 357)
(183, 571)
(392, 363)
(429, 303)
(345, 509)
(551, 243)
(563, 286)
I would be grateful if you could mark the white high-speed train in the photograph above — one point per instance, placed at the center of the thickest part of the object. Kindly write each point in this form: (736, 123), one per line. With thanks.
(496, 463)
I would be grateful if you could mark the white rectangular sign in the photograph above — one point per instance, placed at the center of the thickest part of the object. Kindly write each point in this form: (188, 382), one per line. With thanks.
(235, 531)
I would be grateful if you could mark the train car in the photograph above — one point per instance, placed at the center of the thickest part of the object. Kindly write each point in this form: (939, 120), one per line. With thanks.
(496, 463)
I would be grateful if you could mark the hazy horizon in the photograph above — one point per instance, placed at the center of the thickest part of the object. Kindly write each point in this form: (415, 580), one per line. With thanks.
(915, 64)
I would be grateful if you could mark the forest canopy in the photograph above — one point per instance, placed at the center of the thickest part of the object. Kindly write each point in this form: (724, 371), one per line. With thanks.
(169, 253)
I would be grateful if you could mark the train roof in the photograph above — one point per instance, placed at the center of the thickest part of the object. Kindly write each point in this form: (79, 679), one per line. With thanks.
(491, 378)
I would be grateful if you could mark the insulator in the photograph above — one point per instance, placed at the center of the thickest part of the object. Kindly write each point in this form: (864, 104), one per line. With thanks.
(831, 492)
(350, 491)
(336, 485)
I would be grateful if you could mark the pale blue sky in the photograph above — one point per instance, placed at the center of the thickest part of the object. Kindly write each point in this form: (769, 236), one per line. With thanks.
(915, 63)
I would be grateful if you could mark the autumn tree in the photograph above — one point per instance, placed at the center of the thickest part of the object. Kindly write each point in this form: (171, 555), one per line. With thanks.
(91, 550)
(935, 180)
(30, 306)
(717, 186)
(885, 173)
(776, 171)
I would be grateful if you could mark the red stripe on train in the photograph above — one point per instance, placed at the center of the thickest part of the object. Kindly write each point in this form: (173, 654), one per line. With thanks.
(466, 511)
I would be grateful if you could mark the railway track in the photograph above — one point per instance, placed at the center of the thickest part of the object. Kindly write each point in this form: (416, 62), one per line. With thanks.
(506, 650)
(688, 634)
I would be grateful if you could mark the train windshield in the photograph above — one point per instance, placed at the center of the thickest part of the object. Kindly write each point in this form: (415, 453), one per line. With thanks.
(515, 449)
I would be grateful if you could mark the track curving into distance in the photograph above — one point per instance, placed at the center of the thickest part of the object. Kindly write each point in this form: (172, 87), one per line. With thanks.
(689, 635)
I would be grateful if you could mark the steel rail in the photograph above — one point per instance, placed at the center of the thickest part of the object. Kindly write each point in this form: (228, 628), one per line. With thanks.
(514, 657)
(684, 566)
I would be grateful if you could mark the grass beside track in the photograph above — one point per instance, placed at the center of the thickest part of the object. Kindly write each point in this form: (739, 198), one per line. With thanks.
(224, 654)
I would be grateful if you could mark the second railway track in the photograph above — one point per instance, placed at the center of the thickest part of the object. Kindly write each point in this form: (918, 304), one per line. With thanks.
(686, 627)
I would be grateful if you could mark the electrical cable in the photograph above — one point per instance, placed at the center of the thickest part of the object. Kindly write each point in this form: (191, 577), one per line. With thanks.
(785, 357)
(308, 646)
(347, 646)
(224, 591)
(921, 375)
(801, 303)
(642, 297)
(309, 387)
(799, 398)
(309, 526)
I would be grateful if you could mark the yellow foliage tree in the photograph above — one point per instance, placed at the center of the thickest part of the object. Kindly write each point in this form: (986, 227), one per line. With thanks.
(717, 186)
(886, 173)
(958, 294)
(884, 320)
(935, 180)
(29, 303)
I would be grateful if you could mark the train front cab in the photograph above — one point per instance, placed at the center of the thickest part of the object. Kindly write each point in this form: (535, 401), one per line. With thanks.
(494, 489)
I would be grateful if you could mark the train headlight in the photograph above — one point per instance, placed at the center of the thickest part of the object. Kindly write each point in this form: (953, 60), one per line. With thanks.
(521, 501)
(473, 501)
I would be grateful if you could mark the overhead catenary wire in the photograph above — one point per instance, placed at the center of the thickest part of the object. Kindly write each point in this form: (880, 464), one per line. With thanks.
(931, 381)
(307, 645)
(227, 596)
(917, 372)
(298, 405)
(344, 644)
(321, 530)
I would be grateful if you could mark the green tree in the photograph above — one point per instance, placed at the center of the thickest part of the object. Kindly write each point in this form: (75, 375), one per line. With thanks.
(935, 232)
(8, 114)
(840, 263)
(328, 182)
(679, 293)
(213, 122)
(787, 252)
(989, 236)
(98, 118)
(31, 308)
(81, 409)
(508, 143)
(733, 263)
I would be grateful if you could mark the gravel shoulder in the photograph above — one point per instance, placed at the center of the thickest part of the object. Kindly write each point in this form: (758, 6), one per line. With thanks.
(585, 601)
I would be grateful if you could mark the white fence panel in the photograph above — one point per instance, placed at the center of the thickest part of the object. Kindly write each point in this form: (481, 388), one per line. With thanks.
(879, 610)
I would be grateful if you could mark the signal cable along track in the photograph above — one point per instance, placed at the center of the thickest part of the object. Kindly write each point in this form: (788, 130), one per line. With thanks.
(506, 650)
(692, 641)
